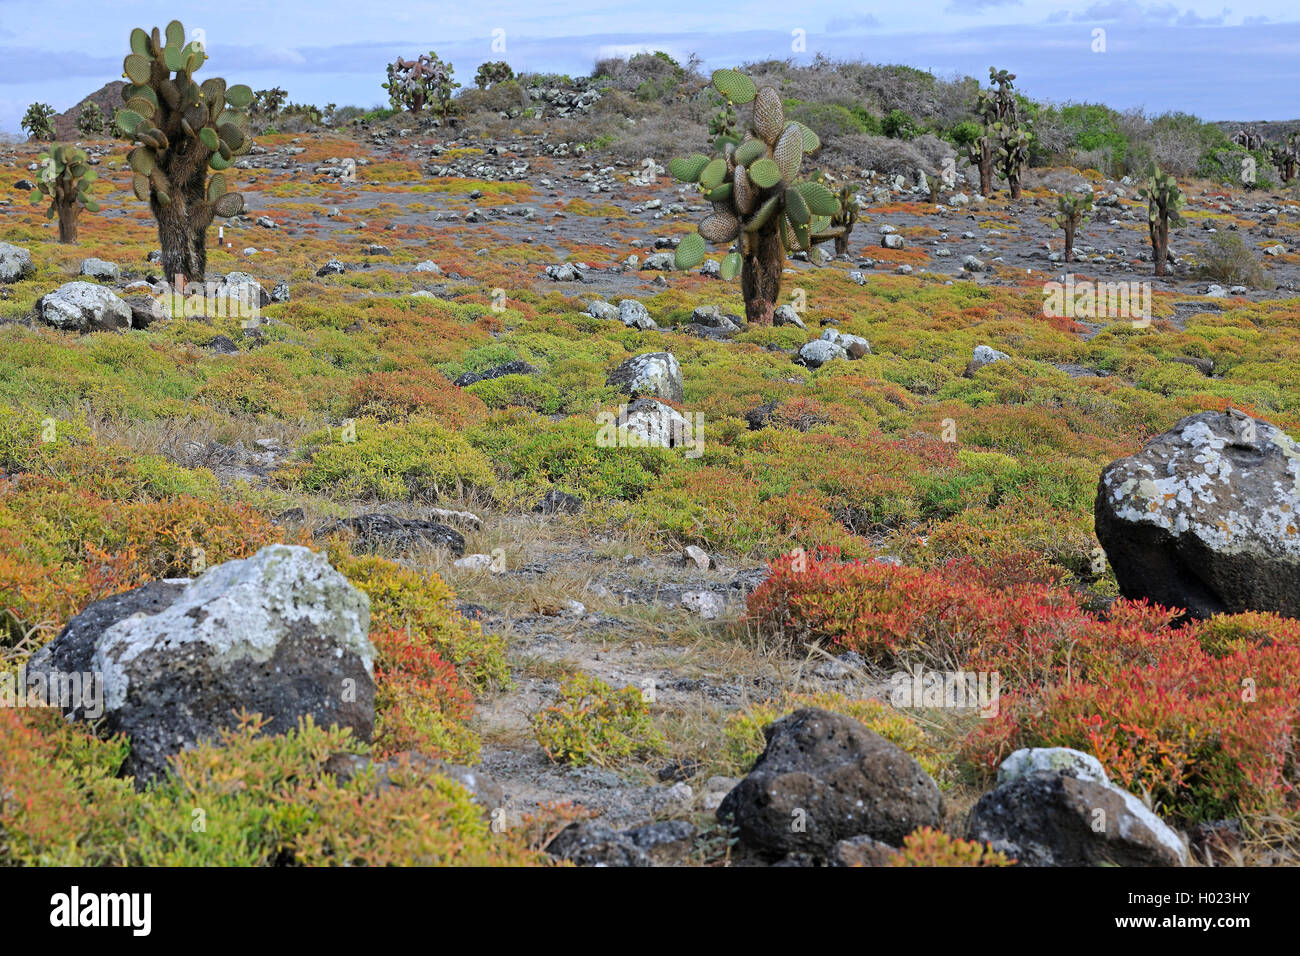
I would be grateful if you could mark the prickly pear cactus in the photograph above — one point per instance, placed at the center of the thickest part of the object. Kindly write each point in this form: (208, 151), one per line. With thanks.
(1070, 210)
(65, 180)
(1164, 211)
(845, 219)
(425, 80)
(182, 129)
(759, 202)
(489, 74)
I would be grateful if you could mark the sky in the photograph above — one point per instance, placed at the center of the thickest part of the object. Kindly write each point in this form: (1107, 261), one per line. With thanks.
(1221, 63)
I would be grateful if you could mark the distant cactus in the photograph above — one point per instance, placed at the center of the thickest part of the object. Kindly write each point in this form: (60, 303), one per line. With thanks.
(267, 104)
(1164, 210)
(845, 219)
(65, 180)
(1286, 156)
(183, 128)
(498, 71)
(91, 120)
(758, 202)
(723, 122)
(1012, 154)
(1070, 210)
(427, 80)
(38, 121)
(1249, 138)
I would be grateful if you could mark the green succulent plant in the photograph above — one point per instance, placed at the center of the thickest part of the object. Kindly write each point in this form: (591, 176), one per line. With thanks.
(1164, 212)
(182, 129)
(65, 180)
(759, 202)
(1070, 210)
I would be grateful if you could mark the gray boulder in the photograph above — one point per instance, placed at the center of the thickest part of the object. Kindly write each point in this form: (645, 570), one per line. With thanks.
(1206, 517)
(606, 311)
(281, 634)
(1052, 819)
(818, 352)
(824, 778)
(83, 307)
(15, 263)
(647, 423)
(100, 269)
(634, 315)
(649, 375)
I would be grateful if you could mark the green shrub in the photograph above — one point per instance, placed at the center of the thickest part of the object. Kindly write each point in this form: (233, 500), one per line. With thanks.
(593, 723)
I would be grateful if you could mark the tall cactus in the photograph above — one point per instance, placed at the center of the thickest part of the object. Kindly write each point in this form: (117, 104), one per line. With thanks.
(1005, 143)
(1012, 154)
(181, 128)
(758, 202)
(981, 151)
(1164, 210)
(1070, 210)
(65, 179)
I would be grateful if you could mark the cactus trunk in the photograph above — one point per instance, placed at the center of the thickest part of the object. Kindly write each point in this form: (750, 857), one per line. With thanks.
(760, 277)
(1069, 241)
(842, 245)
(1160, 243)
(69, 213)
(986, 168)
(183, 240)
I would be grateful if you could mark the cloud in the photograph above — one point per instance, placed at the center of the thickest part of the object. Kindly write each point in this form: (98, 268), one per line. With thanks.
(977, 6)
(1130, 11)
(864, 21)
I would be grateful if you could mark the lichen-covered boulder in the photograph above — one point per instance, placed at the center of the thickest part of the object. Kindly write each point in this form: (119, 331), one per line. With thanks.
(647, 423)
(15, 263)
(281, 634)
(824, 778)
(650, 375)
(83, 307)
(1063, 760)
(1207, 517)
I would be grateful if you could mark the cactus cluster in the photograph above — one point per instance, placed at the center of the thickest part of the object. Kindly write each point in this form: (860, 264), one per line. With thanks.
(1164, 211)
(426, 80)
(181, 128)
(497, 71)
(1070, 210)
(758, 201)
(91, 120)
(65, 180)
